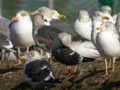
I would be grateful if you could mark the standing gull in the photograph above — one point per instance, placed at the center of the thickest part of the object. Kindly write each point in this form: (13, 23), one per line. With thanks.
(21, 31)
(107, 42)
(5, 43)
(4, 29)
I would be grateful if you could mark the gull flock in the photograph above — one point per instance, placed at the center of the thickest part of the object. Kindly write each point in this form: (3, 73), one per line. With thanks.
(93, 37)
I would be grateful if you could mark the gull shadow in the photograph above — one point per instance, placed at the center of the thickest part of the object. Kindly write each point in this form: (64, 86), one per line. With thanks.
(23, 86)
(3, 71)
(85, 77)
(27, 86)
(110, 85)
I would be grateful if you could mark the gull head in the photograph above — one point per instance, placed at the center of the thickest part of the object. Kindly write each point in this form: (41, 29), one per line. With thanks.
(21, 15)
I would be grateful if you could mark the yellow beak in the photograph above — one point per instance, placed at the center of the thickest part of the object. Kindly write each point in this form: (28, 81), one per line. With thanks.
(112, 11)
(21, 58)
(62, 16)
(99, 28)
(32, 13)
(106, 18)
(15, 18)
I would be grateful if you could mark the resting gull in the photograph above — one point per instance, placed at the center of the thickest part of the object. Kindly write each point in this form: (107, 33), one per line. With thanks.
(38, 71)
(83, 25)
(72, 51)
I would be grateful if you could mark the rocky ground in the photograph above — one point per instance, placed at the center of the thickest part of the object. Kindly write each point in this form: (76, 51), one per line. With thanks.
(89, 76)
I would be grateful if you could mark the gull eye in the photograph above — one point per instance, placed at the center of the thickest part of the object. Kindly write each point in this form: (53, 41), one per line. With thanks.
(97, 15)
(45, 20)
(106, 25)
(23, 14)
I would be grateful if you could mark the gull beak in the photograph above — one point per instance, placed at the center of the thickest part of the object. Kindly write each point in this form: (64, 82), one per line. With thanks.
(32, 13)
(106, 18)
(21, 58)
(15, 18)
(61, 16)
(112, 11)
(99, 28)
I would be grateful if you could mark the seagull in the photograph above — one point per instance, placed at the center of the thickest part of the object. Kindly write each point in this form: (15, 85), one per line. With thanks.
(38, 71)
(97, 21)
(70, 52)
(83, 46)
(21, 31)
(44, 34)
(4, 29)
(53, 18)
(6, 44)
(117, 24)
(107, 42)
(83, 25)
(107, 11)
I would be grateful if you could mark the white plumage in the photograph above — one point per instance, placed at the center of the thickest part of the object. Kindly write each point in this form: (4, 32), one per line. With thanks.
(83, 25)
(21, 30)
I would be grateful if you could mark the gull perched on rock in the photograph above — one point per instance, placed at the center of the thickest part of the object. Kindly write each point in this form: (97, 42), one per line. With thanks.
(83, 25)
(21, 31)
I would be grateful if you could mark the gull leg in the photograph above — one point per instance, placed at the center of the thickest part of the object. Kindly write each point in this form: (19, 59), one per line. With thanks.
(27, 49)
(69, 70)
(76, 67)
(109, 65)
(113, 65)
(106, 67)
(3, 55)
(19, 62)
(41, 51)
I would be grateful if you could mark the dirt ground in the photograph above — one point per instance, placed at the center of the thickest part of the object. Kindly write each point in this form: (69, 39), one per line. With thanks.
(89, 76)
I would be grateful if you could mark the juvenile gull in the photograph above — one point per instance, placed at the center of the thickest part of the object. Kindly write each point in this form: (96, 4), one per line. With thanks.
(38, 71)
(72, 52)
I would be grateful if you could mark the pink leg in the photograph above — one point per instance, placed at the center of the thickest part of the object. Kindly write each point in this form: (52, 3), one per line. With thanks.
(3, 55)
